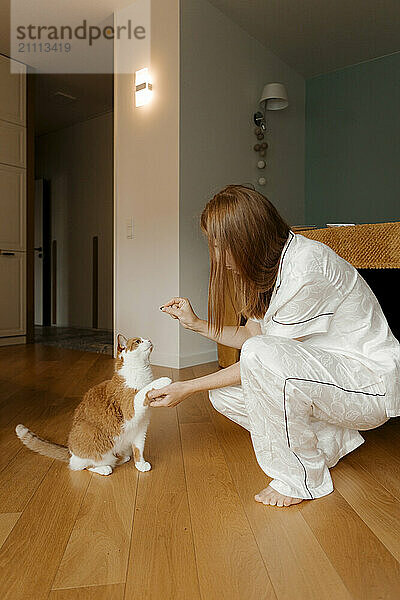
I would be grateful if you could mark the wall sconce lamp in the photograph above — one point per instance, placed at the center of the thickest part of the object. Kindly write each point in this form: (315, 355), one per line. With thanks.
(143, 87)
(274, 97)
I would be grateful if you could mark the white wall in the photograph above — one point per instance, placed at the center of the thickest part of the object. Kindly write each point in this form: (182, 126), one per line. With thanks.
(223, 71)
(78, 161)
(147, 189)
(170, 156)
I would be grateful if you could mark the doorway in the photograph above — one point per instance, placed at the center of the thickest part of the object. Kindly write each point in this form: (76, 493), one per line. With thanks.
(42, 253)
(73, 214)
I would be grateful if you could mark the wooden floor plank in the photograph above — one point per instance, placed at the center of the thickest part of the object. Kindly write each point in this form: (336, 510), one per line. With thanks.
(15, 359)
(30, 556)
(101, 369)
(390, 430)
(374, 456)
(377, 507)
(386, 437)
(7, 522)
(59, 532)
(159, 371)
(97, 551)
(28, 405)
(78, 384)
(366, 567)
(293, 556)
(162, 563)
(97, 592)
(20, 479)
(205, 369)
(7, 389)
(353, 567)
(27, 381)
(12, 407)
(10, 445)
(193, 409)
(46, 372)
(49, 414)
(227, 554)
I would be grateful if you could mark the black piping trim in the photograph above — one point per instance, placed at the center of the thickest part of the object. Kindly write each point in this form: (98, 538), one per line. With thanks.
(334, 385)
(288, 439)
(286, 422)
(280, 266)
(299, 322)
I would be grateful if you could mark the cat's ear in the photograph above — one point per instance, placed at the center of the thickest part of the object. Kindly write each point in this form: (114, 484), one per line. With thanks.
(121, 342)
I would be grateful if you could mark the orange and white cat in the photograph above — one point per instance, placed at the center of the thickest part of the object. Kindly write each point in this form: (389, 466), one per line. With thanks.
(111, 421)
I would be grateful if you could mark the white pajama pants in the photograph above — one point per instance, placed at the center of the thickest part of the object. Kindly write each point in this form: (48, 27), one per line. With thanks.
(303, 407)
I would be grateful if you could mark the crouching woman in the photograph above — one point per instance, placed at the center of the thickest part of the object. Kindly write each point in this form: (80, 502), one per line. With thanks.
(318, 361)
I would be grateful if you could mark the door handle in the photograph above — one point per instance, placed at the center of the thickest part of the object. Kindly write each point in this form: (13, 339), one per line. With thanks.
(7, 253)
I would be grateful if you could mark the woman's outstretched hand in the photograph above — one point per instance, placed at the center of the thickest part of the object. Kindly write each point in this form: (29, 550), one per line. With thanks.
(170, 395)
(180, 308)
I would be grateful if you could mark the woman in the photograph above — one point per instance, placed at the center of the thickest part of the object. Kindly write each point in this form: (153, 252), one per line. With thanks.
(318, 361)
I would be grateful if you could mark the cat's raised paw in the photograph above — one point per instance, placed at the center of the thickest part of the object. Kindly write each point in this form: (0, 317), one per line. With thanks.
(160, 383)
(143, 466)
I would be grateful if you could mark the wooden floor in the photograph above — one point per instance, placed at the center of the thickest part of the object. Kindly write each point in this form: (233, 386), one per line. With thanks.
(190, 527)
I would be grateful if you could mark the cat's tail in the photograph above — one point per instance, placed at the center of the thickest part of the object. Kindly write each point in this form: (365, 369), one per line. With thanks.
(37, 444)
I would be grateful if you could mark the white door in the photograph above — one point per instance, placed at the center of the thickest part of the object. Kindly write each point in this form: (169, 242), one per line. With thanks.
(12, 296)
(12, 144)
(12, 199)
(12, 91)
(12, 208)
(38, 253)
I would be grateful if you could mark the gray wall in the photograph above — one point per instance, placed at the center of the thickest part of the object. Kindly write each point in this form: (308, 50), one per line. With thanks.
(353, 144)
(222, 73)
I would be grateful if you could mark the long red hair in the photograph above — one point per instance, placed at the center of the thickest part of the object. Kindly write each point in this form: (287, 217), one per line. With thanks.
(243, 222)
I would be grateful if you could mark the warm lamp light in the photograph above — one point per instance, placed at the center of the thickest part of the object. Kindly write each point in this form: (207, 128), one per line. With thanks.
(143, 87)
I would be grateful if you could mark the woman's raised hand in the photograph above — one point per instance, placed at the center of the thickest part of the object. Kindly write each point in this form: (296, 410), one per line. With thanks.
(180, 308)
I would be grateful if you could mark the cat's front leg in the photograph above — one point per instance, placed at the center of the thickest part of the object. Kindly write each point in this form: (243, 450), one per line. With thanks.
(138, 447)
(102, 469)
(123, 458)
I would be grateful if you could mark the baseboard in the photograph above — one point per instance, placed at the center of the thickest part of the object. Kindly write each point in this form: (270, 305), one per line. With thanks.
(162, 359)
(190, 360)
(12, 341)
(179, 362)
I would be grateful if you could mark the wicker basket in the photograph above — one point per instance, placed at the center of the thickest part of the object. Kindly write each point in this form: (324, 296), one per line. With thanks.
(369, 246)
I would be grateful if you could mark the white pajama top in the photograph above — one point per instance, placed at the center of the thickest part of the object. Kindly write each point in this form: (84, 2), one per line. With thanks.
(322, 299)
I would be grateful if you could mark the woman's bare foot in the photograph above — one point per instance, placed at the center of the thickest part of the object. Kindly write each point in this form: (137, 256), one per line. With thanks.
(274, 498)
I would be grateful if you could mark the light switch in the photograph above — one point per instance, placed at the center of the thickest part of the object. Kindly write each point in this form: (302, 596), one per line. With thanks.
(129, 228)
